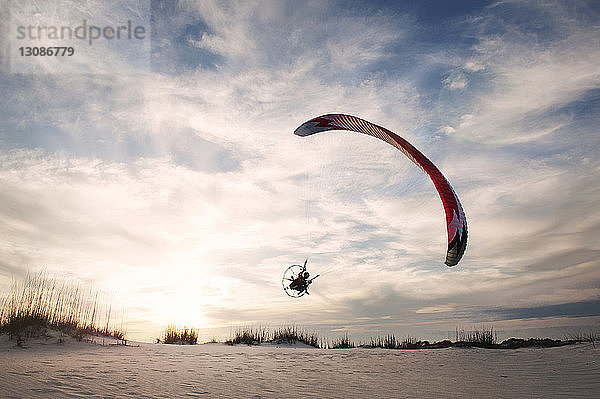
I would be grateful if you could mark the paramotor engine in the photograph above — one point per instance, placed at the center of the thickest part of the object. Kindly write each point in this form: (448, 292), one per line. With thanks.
(296, 279)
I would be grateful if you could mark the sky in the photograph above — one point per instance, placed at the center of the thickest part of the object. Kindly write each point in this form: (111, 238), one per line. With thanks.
(166, 174)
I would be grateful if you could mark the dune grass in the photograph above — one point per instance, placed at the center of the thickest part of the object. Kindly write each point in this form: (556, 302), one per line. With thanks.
(291, 334)
(590, 337)
(342, 342)
(391, 342)
(479, 337)
(40, 303)
(286, 334)
(182, 336)
(484, 337)
(249, 336)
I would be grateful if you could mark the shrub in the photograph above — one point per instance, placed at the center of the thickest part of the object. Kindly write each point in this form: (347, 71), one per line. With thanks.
(182, 336)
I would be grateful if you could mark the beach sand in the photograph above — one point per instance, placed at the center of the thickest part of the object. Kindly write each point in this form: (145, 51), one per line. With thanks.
(74, 369)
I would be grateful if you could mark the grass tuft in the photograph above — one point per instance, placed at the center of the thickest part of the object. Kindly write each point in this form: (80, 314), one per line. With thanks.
(182, 336)
(40, 303)
(342, 342)
(291, 334)
(484, 337)
(590, 337)
(249, 336)
(287, 334)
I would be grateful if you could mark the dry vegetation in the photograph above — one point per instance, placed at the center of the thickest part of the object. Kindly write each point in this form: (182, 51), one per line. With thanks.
(481, 337)
(484, 337)
(291, 334)
(41, 303)
(288, 334)
(180, 336)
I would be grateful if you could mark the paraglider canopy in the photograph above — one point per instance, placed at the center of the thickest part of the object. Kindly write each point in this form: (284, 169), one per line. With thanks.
(456, 222)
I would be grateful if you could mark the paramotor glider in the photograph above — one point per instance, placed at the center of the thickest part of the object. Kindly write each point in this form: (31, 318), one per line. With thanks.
(456, 223)
(296, 280)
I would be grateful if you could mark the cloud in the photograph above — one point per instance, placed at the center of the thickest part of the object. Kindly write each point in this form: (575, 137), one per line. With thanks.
(435, 309)
(531, 74)
(186, 189)
(456, 82)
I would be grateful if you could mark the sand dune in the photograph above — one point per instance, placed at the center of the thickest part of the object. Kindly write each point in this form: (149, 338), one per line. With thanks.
(78, 369)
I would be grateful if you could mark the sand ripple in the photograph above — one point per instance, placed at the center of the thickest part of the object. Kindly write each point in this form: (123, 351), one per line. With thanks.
(214, 371)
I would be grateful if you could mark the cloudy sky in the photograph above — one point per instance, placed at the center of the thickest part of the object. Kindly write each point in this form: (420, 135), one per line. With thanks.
(173, 181)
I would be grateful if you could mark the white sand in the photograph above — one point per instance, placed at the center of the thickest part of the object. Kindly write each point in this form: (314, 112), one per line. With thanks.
(76, 369)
